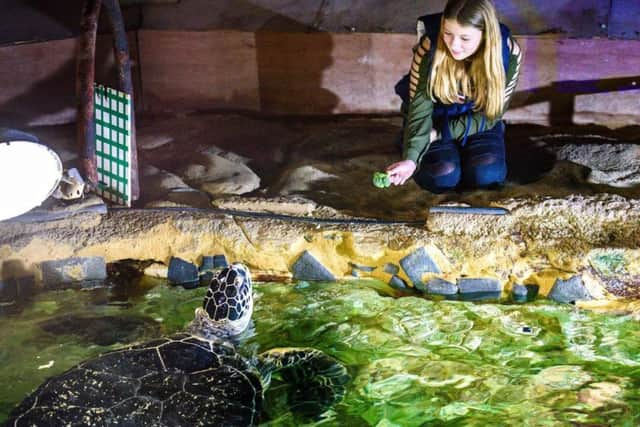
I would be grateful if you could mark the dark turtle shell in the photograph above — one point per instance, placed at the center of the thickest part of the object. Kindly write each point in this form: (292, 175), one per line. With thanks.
(177, 381)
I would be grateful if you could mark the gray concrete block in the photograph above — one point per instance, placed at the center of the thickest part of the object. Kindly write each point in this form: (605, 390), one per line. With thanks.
(365, 268)
(441, 287)
(569, 291)
(220, 261)
(397, 283)
(391, 268)
(73, 270)
(480, 296)
(206, 278)
(8, 290)
(479, 285)
(420, 287)
(182, 272)
(307, 267)
(206, 264)
(519, 291)
(418, 263)
(212, 262)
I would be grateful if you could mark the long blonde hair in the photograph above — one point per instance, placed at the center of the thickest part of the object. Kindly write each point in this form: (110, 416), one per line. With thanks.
(484, 80)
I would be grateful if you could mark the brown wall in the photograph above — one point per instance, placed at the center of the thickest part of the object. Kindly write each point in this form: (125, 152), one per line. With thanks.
(37, 80)
(563, 80)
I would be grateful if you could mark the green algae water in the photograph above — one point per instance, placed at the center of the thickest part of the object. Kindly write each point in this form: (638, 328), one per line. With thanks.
(412, 361)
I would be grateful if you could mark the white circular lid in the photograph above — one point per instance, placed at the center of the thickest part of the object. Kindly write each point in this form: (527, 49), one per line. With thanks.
(29, 174)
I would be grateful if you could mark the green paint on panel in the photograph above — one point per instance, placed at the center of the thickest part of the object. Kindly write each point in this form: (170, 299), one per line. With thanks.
(113, 144)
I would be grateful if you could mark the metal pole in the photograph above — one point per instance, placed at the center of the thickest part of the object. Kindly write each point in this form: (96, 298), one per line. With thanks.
(123, 64)
(85, 76)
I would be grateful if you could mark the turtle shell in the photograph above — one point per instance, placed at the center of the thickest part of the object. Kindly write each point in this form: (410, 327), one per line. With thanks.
(181, 380)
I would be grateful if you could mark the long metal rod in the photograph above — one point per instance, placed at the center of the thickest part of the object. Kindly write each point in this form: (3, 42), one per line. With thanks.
(85, 76)
(467, 210)
(123, 64)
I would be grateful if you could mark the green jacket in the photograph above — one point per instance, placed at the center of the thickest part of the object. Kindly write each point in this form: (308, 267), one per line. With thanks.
(419, 116)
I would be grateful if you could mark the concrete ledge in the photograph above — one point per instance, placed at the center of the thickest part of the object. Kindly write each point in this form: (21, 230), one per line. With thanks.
(532, 245)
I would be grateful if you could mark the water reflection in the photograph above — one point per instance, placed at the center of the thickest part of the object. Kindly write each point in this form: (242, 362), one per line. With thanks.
(412, 361)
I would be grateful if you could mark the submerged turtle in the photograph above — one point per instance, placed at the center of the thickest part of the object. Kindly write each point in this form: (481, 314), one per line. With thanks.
(189, 379)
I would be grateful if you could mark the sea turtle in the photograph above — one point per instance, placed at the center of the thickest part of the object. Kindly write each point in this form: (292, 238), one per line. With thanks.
(195, 378)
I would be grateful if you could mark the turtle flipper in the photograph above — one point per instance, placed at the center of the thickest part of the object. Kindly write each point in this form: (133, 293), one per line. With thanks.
(316, 381)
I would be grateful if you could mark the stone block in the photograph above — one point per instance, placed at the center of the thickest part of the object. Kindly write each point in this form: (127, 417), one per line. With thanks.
(418, 263)
(182, 272)
(220, 261)
(391, 268)
(206, 278)
(307, 267)
(480, 296)
(420, 287)
(73, 270)
(479, 285)
(441, 287)
(397, 283)
(569, 291)
(212, 262)
(364, 268)
(8, 291)
(519, 291)
(207, 263)
(523, 293)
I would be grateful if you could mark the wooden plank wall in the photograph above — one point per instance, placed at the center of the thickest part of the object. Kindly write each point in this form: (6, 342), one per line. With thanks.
(324, 73)
(187, 70)
(563, 80)
(37, 80)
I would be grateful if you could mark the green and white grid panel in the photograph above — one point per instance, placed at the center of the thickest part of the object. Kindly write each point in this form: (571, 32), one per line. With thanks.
(113, 144)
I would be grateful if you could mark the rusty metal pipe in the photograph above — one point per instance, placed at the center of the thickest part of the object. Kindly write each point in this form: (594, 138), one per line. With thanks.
(85, 76)
(123, 64)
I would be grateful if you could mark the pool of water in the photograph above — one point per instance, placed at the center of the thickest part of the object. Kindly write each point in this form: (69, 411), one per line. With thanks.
(412, 361)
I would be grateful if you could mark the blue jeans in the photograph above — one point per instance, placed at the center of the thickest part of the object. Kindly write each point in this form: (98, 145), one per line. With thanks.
(480, 163)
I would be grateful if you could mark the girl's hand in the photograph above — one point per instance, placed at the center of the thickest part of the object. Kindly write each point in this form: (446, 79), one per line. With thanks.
(401, 171)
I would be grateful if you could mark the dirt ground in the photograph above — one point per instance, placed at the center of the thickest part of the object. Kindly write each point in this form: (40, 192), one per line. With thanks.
(329, 161)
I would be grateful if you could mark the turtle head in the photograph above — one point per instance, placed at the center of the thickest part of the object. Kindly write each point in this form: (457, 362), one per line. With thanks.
(227, 308)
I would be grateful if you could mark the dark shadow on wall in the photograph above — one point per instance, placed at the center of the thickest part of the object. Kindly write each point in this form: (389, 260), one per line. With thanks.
(52, 100)
(561, 95)
(529, 160)
(291, 66)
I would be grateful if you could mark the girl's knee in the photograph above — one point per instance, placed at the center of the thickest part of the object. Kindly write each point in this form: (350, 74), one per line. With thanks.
(440, 169)
(439, 177)
(484, 172)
